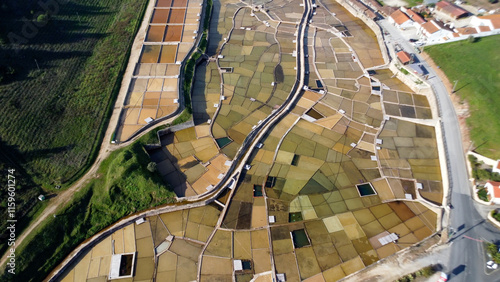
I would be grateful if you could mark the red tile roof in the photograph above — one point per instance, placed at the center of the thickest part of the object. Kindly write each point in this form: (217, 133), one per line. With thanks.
(415, 17)
(495, 20)
(483, 29)
(496, 188)
(399, 17)
(450, 9)
(430, 27)
(466, 30)
(404, 57)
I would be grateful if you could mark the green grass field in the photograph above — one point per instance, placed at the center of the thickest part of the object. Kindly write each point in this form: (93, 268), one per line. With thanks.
(124, 186)
(57, 88)
(476, 66)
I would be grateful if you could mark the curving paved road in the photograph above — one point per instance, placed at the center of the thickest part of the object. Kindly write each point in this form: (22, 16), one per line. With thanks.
(466, 261)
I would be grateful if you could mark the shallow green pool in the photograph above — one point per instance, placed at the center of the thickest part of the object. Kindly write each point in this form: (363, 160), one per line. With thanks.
(300, 238)
(222, 142)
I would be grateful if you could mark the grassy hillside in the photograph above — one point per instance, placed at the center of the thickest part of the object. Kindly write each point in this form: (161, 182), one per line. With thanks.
(59, 74)
(476, 66)
(124, 186)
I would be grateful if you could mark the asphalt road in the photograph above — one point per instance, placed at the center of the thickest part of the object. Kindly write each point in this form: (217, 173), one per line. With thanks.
(466, 261)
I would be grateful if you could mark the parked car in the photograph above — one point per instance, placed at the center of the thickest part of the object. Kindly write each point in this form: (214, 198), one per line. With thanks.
(413, 40)
(491, 265)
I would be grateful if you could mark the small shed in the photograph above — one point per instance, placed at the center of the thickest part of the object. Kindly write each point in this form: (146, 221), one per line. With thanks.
(238, 265)
(404, 57)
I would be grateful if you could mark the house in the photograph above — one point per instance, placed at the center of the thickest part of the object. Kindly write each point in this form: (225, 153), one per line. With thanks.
(493, 191)
(451, 10)
(404, 57)
(386, 11)
(416, 18)
(400, 20)
(491, 22)
(434, 32)
(496, 168)
(465, 31)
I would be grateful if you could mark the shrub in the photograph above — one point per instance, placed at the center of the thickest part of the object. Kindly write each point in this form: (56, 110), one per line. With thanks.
(425, 272)
(483, 194)
(152, 167)
(492, 249)
(496, 215)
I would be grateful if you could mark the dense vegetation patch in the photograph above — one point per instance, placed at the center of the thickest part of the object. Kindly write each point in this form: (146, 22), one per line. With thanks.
(496, 215)
(427, 271)
(61, 70)
(492, 250)
(125, 185)
(479, 172)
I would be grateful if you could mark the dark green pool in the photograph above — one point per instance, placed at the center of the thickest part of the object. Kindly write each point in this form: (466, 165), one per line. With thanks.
(294, 216)
(300, 238)
(365, 189)
(222, 142)
(257, 190)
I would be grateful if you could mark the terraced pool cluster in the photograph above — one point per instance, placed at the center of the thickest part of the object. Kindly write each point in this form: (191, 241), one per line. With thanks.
(349, 176)
(153, 91)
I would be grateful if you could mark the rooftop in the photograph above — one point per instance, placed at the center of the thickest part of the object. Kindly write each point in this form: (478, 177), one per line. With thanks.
(415, 17)
(496, 188)
(483, 29)
(495, 20)
(399, 17)
(450, 9)
(466, 30)
(430, 27)
(404, 57)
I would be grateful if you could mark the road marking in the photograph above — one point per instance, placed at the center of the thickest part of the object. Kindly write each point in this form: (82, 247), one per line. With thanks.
(465, 236)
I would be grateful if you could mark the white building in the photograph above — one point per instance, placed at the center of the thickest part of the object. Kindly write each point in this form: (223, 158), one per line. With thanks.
(488, 23)
(434, 32)
(493, 191)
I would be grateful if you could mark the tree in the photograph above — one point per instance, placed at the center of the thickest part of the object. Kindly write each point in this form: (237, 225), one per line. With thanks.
(493, 251)
(152, 167)
(471, 39)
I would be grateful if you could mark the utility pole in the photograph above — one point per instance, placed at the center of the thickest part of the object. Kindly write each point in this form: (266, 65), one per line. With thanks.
(37, 66)
(454, 86)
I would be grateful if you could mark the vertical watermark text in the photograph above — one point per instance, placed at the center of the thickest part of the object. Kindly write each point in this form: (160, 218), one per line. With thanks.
(11, 220)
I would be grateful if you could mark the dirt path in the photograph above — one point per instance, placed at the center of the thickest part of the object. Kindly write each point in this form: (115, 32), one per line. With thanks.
(461, 106)
(107, 148)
